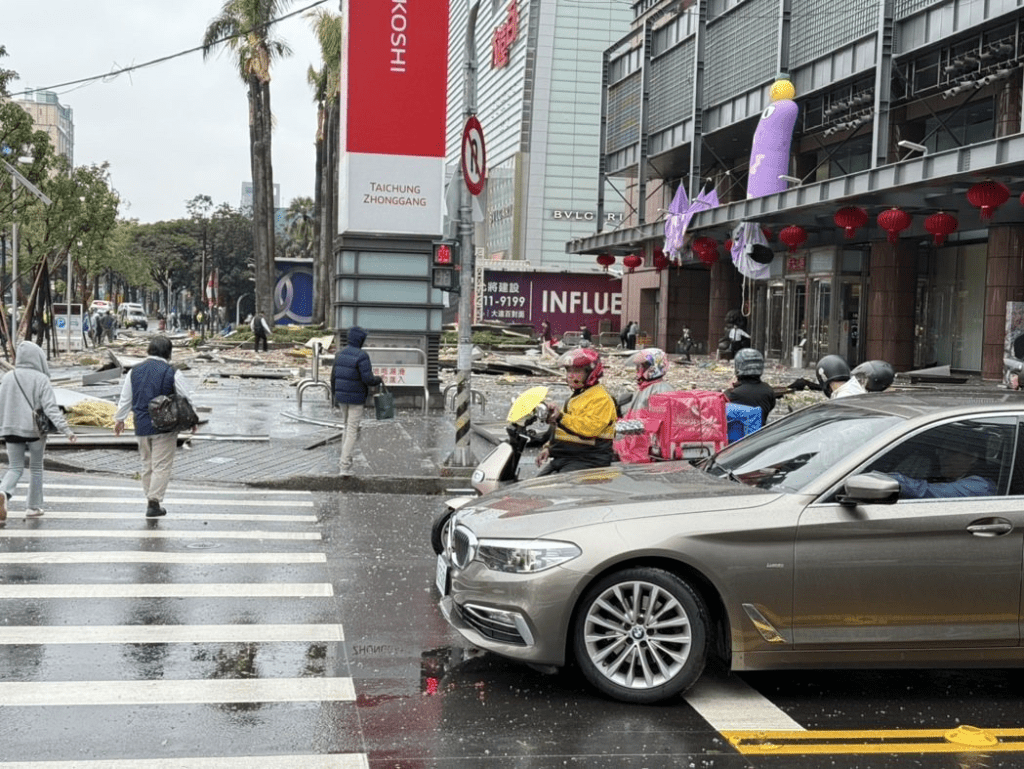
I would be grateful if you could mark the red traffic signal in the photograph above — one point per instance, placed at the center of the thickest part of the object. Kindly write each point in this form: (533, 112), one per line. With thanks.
(446, 253)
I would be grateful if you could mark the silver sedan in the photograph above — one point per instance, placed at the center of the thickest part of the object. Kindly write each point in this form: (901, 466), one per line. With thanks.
(879, 530)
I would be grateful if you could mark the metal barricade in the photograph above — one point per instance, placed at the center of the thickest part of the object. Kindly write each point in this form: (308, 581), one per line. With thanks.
(315, 381)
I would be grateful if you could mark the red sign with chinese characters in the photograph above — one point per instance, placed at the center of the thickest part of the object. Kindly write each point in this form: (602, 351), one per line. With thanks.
(504, 36)
(796, 263)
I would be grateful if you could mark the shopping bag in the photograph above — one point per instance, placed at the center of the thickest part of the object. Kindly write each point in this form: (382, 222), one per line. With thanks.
(172, 413)
(384, 404)
(44, 425)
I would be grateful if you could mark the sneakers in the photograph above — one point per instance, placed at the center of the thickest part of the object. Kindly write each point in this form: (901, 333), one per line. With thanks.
(154, 510)
(34, 512)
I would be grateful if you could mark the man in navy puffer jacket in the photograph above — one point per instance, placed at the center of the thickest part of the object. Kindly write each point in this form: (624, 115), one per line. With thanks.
(351, 377)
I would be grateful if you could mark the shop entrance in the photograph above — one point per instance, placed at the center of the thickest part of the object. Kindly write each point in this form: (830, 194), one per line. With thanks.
(951, 308)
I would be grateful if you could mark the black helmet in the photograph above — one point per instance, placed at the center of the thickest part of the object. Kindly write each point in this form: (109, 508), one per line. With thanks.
(748, 362)
(831, 368)
(875, 375)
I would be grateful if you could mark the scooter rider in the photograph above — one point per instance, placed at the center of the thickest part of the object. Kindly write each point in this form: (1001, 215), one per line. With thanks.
(836, 379)
(585, 426)
(748, 389)
(875, 375)
(651, 366)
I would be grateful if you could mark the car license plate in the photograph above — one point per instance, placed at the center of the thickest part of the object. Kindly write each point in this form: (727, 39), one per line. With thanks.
(441, 575)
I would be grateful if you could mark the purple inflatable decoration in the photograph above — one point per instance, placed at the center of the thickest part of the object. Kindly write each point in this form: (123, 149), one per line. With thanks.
(769, 159)
(769, 154)
(680, 212)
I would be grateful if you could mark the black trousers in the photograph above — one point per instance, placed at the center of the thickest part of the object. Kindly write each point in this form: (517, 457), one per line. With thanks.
(256, 342)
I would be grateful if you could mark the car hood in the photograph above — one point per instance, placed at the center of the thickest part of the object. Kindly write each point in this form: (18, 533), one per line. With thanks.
(611, 493)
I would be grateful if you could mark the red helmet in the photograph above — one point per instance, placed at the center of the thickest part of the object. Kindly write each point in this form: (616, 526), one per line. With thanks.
(585, 358)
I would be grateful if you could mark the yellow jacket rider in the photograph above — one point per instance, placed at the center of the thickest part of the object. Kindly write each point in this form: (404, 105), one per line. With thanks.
(585, 426)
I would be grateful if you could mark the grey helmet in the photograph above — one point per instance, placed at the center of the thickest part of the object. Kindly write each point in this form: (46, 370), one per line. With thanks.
(832, 368)
(748, 362)
(875, 375)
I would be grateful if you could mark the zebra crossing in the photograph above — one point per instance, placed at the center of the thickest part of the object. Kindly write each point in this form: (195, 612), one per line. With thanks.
(208, 638)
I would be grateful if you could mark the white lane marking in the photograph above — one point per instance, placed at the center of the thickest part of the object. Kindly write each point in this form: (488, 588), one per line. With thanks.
(150, 634)
(134, 500)
(153, 533)
(85, 515)
(135, 489)
(142, 556)
(166, 590)
(168, 692)
(334, 761)
(729, 704)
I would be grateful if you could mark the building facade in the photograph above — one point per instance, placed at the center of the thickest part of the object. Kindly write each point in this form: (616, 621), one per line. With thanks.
(51, 116)
(906, 104)
(538, 98)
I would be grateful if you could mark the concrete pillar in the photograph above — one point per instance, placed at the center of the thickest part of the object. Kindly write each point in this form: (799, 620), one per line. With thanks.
(1004, 283)
(891, 299)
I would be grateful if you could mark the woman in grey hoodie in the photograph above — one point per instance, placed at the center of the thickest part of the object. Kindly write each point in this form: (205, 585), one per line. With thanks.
(22, 391)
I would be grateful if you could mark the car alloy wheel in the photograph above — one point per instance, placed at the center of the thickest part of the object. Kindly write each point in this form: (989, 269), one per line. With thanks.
(641, 635)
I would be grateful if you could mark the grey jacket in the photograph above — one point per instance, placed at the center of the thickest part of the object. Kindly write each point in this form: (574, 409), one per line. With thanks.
(16, 410)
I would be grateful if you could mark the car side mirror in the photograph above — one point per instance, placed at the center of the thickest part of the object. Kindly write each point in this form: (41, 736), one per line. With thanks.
(875, 488)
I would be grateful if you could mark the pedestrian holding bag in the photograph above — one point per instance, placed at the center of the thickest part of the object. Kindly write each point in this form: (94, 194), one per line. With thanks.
(384, 403)
(44, 425)
(172, 413)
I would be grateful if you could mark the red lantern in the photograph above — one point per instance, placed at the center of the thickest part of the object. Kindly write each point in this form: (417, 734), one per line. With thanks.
(768, 234)
(706, 250)
(988, 196)
(940, 225)
(794, 237)
(633, 261)
(728, 243)
(605, 260)
(894, 221)
(850, 219)
(660, 260)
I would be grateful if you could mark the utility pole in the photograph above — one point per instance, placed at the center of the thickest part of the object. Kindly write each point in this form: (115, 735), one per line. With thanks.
(16, 179)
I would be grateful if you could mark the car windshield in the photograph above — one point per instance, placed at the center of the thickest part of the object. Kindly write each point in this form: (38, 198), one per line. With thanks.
(794, 451)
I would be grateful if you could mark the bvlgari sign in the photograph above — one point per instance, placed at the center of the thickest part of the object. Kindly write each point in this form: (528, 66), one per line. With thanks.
(505, 34)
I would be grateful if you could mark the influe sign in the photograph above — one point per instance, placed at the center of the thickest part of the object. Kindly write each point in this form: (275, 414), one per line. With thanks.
(394, 84)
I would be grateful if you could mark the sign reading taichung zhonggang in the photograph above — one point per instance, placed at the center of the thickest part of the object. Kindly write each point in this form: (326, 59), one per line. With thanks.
(394, 81)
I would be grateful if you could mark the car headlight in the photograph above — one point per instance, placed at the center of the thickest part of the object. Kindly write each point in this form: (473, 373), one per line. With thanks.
(527, 556)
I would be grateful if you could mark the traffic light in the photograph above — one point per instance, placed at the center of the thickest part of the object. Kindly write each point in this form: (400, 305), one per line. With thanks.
(444, 267)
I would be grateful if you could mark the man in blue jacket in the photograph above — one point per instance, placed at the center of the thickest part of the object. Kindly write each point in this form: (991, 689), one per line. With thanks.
(351, 377)
(154, 376)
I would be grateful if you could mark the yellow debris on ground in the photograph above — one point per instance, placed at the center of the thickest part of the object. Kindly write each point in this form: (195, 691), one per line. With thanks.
(96, 414)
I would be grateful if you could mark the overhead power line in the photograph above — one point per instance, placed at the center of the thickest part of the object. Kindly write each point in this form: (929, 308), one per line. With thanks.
(162, 59)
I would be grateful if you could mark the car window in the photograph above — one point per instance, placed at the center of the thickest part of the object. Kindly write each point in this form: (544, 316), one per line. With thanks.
(796, 450)
(972, 457)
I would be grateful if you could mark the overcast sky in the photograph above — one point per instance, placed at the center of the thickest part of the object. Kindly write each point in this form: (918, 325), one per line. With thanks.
(172, 130)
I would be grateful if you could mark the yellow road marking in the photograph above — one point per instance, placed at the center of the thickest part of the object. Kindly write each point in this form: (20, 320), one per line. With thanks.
(963, 739)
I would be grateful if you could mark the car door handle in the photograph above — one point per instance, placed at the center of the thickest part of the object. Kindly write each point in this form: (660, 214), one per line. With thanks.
(990, 527)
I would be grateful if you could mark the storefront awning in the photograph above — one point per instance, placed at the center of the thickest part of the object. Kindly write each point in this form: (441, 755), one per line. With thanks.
(921, 185)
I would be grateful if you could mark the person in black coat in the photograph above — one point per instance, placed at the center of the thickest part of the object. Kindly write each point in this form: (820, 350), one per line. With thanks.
(351, 378)
(748, 389)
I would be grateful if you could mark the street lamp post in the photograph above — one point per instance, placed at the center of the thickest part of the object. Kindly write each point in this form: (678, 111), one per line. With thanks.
(16, 179)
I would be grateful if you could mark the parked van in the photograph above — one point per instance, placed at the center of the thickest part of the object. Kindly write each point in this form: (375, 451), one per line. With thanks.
(132, 315)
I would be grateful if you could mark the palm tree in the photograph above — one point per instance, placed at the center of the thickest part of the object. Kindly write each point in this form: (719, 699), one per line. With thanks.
(302, 226)
(326, 85)
(244, 26)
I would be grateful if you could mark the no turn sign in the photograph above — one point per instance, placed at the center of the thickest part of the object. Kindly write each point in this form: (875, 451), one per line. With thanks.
(474, 156)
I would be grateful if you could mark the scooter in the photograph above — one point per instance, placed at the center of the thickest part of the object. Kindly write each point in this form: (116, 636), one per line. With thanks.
(526, 423)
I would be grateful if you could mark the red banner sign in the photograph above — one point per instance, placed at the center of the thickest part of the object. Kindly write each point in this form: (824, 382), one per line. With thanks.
(397, 59)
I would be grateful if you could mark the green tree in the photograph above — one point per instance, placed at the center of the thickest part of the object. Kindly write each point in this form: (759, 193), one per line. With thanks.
(326, 85)
(244, 26)
(301, 228)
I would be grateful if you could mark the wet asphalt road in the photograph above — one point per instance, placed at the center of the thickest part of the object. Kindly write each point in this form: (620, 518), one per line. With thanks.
(294, 629)
(300, 629)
